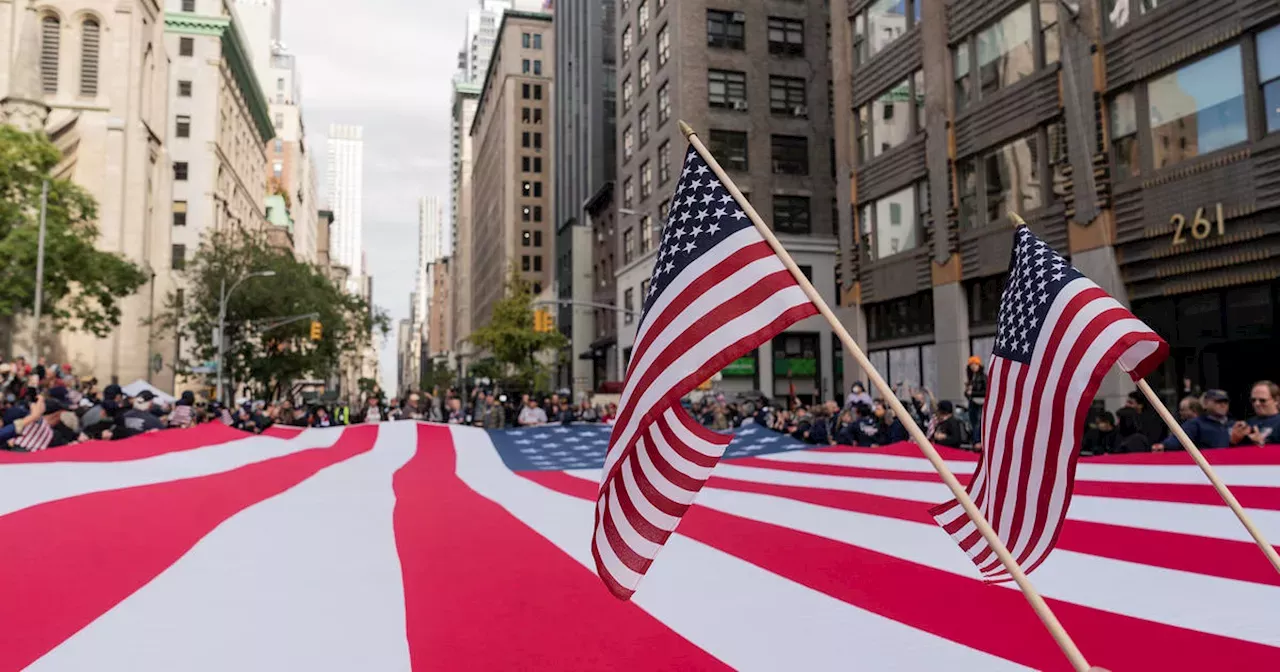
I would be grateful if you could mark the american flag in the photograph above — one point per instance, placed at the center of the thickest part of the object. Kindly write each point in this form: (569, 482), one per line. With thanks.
(415, 546)
(36, 437)
(717, 291)
(1058, 335)
(181, 416)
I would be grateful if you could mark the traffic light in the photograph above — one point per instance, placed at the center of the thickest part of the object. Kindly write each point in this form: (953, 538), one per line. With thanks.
(317, 331)
(542, 321)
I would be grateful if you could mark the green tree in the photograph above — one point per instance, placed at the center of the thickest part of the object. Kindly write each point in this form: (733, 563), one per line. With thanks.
(510, 339)
(82, 284)
(267, 356)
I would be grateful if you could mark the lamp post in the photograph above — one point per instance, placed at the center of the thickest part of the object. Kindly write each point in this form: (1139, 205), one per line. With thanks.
(44, 207)
(223, 295)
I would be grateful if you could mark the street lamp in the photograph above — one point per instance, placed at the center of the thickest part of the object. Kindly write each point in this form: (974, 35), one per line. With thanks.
(223, 295)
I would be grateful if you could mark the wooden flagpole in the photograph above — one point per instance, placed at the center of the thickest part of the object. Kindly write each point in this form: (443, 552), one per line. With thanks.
(1041, 608)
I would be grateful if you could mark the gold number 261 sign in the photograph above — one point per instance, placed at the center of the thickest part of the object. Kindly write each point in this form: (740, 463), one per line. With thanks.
(1200, 227)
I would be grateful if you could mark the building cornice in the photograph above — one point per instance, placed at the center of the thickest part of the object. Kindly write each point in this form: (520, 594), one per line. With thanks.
(224, 28)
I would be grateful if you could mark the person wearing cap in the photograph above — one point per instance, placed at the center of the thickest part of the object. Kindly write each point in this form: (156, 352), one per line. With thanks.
(975, 391)
(101, 417)
(1264, 426)
(947, 430)
(1210, 429)
(138, 419)
(62, 434)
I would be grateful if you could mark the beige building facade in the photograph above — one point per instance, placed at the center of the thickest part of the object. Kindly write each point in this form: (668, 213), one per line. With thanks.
(465, 98)
(511, 180)
(112, 126)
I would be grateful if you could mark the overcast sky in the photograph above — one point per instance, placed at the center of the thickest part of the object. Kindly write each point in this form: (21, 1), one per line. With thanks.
(385, 65)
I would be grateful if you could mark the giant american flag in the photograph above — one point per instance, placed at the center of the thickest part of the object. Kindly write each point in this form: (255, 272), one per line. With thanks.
(408, 545)
(1058, 335)
(717, 291)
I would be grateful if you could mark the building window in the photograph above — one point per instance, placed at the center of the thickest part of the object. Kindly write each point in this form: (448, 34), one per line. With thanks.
(537, 288)
(526, 214)
(537, 66)
(730, 149)
(537, 115)
(628, 245)
(50, 44)
(646, 73)
(628, 93)
(184, 88)
(664, 162)
(642, 17)
(537, 164)
(526, 238)
(726, 30)
(862, 130)
(727, 88)
(525, 91)
(183, 126)
(1125, 153)
(180, 171)
(186, 46)
(628, 144)
(881, 24)
(1049, 31)
(537, 239)
(646, 234)
(537, 40)
(179, 213)
(537, 262)
(786, 36)
(526, 164)
(537, 190)
(188, 5)
(279, 145)
(664, 103)
(537, 213)
(1198, 108)
(90, 44)
(628, 305)
(524, 66)
(967, 179)
(526, 263)
(1269, 75)
(628, 193)
(1004, 53)
(277, 168)
(664, 212)
(790, 154)
(526, 40)
(1012, 177)
(643, 121)
(537, 92)
(179, 257)
(787, 96)
(891, 118)
(537, 141)
(895, 223)
(626, 43)
(1118, 12)
(646, 180)
(526, 115)
(525, 139)
(278, 122)
(664, 46)
(526, 189)
(963, 82)
(791, 214)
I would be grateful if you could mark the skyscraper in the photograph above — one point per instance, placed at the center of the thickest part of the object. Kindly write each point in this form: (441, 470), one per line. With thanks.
(346, 193)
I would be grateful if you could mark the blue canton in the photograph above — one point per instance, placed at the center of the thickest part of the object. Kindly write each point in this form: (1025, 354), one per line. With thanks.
(1036, 277)
(557, 448)
(702, 214)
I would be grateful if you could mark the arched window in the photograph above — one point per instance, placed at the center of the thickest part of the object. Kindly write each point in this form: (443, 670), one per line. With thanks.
(50, 34)
(90, 46)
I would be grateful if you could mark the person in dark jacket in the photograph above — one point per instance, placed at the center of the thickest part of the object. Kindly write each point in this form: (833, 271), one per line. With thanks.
(1129, 436)
(975, 392)
(1211, 429)
(1148, 418)
(867, 433)
(1264, 426)
(1102, 438)
(947, 430)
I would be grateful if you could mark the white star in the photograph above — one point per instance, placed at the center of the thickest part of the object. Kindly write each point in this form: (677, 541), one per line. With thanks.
(708, 198)
(769, 439)
(684, 216)
(670, 266)
(688, 202)
(689, 246)
(1044, 298)
(720, 212)
(702, 170)
(697, 231)
(726, 198)
(1058, 276)
(713, 228)
(703, 214)
(574, 439)
(523, 442)
(542, 436)
(739, 214)
(696, 185)
(680, 233)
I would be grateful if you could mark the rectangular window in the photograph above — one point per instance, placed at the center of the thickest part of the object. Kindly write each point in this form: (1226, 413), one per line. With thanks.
(526, 165)
(786, 36)
(179, 257)
(628, 193)
(277, 168)
(179, 213)
(1198, 108)
(537, 190)
(628, 305)
(646, 73)
(188, 5)
(664, 46)
(537, 262)
(963, 82)
(628, 245)
(524, 66)
(526, 189)
(730, 149)
(537, 239)
(791, 214)
(526, 238)
(279, 145)
(184, 88)
(1269, 75)
(967, 178)
(537, 213)
(628, 93)
(862, 132)
(1011, 174)
(526, 214)
(1125, 156)
(537, 164)
(186, 46)
(182, 126)
(537, 115)
(537, 40)
(180, 171)
(726, 30)
(861, 41)
(664, 103)
(884, 21)
(525, 91)
(891, 118)
(537, 141)
(664, 211)
(895, 223)
(524, 139)
(664, 162)
(646, 234)
(646, 180)
(537, 92)
(1049, 31)
(787, 96)
(526, 264)
(278, 121)
(790, 154)
(1005, 55)
(526, 40)
(643, 121)
(626, 43)
(537, 66)
(628, 144)
(642, 17)
(727, 88)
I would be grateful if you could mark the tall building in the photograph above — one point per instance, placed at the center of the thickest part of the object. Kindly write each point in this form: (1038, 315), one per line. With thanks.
(290, 162)
(433, 249)
(93, 75)
(512, 135)
(585, 135)
(463, 113)
(1147, 156)
(345, 196)
(483, 21)
(753, 80)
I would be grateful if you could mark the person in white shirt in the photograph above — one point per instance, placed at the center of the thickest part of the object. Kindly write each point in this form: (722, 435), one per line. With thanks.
(532, 415)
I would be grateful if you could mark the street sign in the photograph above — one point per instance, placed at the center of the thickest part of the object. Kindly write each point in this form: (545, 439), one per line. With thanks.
(205, 367)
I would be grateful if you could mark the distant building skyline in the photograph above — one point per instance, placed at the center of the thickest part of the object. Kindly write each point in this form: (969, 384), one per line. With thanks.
(345, 192)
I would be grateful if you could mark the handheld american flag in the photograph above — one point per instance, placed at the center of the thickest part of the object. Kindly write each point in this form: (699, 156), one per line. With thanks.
(35, 438)
(1058, 335)
(717, 292)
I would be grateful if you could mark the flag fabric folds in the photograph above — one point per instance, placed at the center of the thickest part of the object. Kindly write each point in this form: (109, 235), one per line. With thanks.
(1058, 335)
(414, 546)
(716, 293)
(36, 437)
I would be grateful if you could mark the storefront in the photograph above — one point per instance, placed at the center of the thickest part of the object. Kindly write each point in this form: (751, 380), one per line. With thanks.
(741, 375)
(797, 369)
(900, 342)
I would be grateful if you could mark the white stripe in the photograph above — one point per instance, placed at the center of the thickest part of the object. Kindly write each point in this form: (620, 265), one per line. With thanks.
(648, 511)
(24, 485)
(307, 580)
(1236, 609)
(688, 438)
(664, 487)
(613, 565)
(629, 535)
(659, 440)
(699, 592)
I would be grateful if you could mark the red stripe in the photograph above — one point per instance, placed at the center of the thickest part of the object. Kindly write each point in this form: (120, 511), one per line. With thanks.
(998, 488)
(904, 449)
(136, 448)
(996, 621)
(282, 431)
(1243, 456)
(485, 592)
(71, 560)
